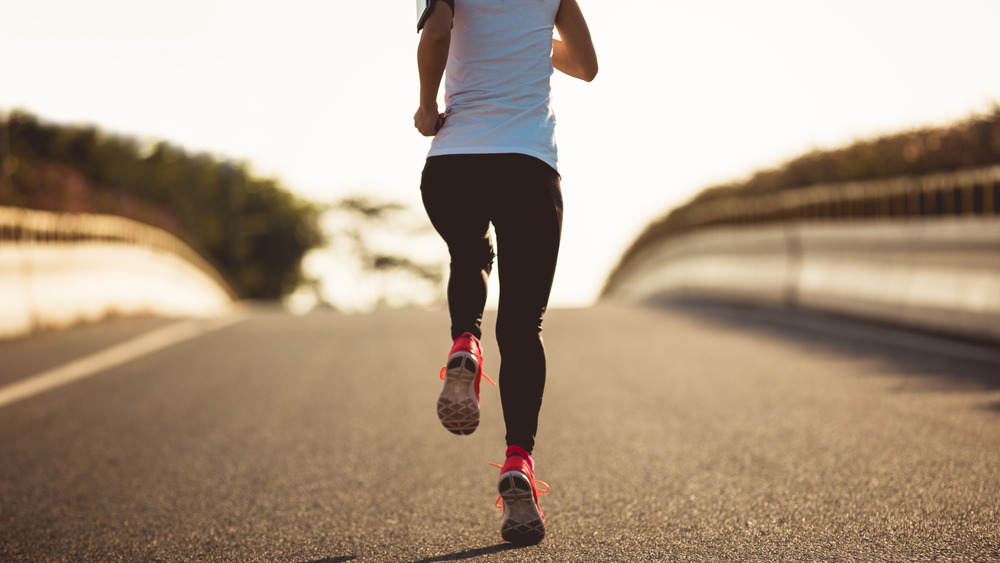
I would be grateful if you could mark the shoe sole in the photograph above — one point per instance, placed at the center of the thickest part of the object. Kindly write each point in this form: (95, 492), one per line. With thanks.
(522, 521)
(457, 406)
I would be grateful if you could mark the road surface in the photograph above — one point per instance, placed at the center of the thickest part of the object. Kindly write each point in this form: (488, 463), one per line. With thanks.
(684, 433)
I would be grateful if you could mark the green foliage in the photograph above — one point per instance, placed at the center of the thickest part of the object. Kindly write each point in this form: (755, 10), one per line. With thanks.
(969, 143)
(253, 229)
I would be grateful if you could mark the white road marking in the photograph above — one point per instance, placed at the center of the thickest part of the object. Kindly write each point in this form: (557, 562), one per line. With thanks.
(111, 357)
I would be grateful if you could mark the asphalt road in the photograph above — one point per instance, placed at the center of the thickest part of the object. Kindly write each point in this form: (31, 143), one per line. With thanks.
(685, 433)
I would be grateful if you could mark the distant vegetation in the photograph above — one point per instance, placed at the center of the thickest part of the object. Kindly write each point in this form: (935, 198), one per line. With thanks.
(969, 143)
(381, 247)
(251, 228)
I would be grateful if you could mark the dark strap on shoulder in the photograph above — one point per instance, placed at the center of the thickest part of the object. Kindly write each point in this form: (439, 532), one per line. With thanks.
(430, 8)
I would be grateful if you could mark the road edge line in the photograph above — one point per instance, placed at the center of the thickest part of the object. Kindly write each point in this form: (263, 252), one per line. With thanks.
(114, 356)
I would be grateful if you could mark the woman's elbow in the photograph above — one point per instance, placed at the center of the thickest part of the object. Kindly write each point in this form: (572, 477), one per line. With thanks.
(588, 71)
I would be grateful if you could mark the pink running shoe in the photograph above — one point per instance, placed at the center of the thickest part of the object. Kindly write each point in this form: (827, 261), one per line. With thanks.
(458, 403)
(523, 521)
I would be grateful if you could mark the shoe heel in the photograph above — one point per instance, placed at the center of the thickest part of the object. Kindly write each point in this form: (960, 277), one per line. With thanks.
(514, 486)
(522, 523)
(458, 407)
(462, 367)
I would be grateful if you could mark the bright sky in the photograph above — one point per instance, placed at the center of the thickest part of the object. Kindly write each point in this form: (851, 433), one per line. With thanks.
(321, 93)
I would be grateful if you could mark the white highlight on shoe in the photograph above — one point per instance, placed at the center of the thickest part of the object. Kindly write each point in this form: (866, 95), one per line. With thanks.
(112, 357)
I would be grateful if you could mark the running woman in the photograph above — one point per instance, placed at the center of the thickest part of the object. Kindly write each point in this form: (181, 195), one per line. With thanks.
(493, 159)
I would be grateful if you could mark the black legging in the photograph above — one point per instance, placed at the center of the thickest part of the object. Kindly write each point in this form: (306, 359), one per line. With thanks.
(521, 196)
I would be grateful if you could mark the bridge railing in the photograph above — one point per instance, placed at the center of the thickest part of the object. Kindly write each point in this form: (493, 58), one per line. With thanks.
(922, 251)
(60, 269)
(968, 192)
(30, 226)
(964, 192)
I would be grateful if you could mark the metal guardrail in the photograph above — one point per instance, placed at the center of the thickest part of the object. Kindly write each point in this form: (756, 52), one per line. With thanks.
(30, 226)
(970, 192)
(964, 192)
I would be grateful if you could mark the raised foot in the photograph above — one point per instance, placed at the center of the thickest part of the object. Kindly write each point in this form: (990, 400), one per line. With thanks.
(458, 405)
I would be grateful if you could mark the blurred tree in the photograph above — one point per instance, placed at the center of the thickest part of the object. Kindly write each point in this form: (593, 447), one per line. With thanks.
(374, 234)
(253, 229)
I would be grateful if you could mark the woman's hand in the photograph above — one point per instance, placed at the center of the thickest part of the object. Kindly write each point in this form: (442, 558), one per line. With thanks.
(428, 121)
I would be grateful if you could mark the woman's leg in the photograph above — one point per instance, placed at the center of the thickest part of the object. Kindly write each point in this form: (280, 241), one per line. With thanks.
(527, 219)
(453, 196)
(522, 197)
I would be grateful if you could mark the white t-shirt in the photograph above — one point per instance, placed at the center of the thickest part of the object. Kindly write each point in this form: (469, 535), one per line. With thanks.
(497, 80)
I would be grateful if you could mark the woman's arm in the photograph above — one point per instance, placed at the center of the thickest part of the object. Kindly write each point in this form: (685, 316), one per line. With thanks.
(575, 54)
(432, 57)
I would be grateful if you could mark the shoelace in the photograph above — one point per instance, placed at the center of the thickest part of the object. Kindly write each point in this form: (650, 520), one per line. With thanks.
(481, 372)
(535, 484)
